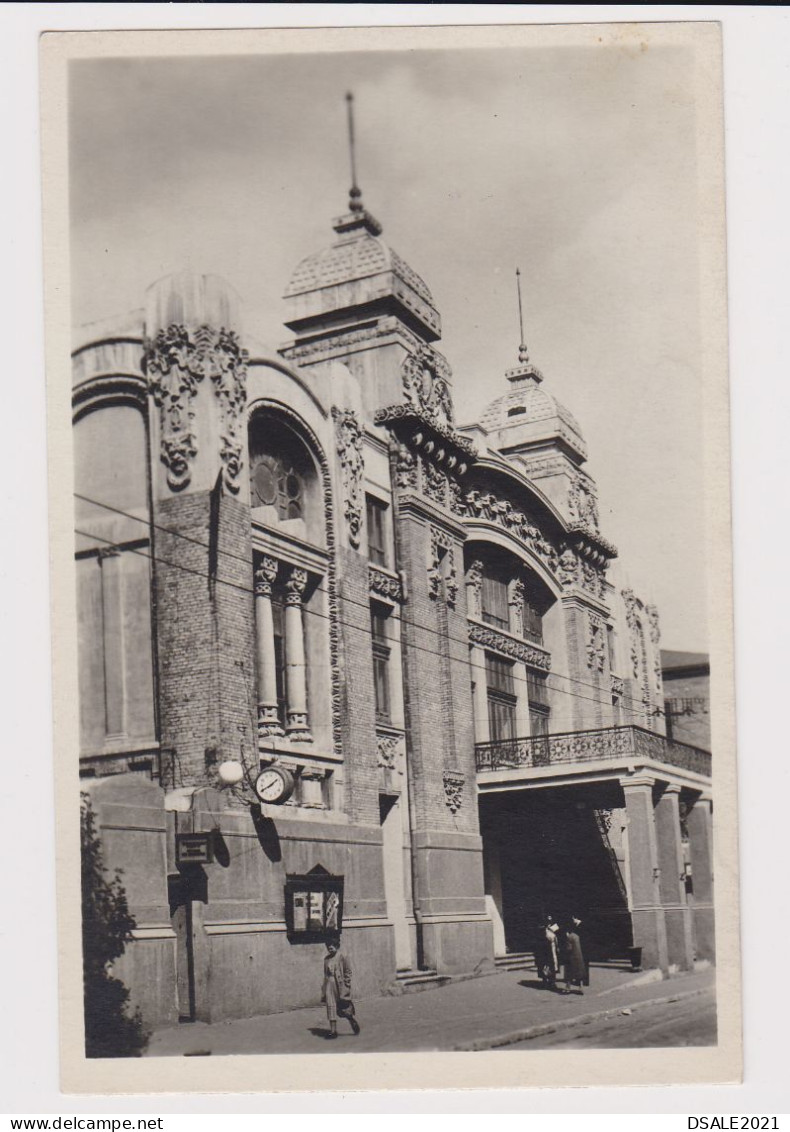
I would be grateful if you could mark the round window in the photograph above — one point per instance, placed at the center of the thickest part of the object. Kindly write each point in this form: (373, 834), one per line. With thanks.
(265, 484)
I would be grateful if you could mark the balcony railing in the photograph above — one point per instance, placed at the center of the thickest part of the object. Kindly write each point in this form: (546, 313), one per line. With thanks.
(615, 743)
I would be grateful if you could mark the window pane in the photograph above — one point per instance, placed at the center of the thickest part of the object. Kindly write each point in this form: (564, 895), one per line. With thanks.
(501, 718)
(377, 547)
(494, 602)
(499, 674)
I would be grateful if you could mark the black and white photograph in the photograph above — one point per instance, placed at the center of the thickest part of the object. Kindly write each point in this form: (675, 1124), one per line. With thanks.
(396, 709)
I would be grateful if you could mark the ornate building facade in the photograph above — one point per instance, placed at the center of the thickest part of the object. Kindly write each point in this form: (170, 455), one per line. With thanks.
(301, 564)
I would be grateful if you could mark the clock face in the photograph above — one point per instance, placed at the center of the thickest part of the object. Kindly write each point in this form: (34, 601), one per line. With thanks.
(274, 785)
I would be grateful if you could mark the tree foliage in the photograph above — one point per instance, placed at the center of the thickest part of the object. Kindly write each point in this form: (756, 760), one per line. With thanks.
(111, 1028)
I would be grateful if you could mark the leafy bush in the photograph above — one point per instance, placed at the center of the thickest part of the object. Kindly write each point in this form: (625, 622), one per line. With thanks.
(111, 1030)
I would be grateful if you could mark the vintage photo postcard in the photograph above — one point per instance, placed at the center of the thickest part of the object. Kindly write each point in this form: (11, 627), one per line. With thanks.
(389, 469)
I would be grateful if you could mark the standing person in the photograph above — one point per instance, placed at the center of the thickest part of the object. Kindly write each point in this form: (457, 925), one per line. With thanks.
(337, 987)
(550, 957)
(580, 932)
(575, 967)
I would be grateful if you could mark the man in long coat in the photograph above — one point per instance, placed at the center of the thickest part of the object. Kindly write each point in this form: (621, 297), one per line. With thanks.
(337, 988)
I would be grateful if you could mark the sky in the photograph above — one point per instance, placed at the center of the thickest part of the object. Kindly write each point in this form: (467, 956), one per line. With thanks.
(576, 164)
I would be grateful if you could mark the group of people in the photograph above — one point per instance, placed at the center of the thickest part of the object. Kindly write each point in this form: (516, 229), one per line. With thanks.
(556, 948)
(560, 948)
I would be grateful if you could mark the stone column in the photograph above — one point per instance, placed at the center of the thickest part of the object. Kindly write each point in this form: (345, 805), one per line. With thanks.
(477, 660)
(295, 671)
(672, 885)
(268, 721)
(112, 619)
(647, 915)
(698, 823)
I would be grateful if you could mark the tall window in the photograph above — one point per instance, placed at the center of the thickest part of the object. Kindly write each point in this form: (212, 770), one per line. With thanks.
(501, 699)
(381, 662)
(377, 543)
(539, 711)
(494, 603)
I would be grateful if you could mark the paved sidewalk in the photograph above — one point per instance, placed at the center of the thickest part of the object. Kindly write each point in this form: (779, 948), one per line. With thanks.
(475, 1013)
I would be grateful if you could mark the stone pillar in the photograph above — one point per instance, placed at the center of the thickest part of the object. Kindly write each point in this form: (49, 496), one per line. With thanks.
(268, 721)
(493, 884)
(647, 915)
(295, 669)
(477, 660)
(672, 885)
(112, 620)
(698, 823)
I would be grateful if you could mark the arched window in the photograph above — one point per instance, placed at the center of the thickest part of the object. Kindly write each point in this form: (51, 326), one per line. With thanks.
(284, 483)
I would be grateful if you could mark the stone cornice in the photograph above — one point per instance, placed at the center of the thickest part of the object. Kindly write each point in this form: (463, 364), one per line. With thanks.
(424, 509)
(444, 445)
(590, 544)
(495, 639)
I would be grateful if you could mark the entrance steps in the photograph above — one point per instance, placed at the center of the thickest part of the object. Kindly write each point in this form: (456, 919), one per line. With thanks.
(417, 980)
(515, 961)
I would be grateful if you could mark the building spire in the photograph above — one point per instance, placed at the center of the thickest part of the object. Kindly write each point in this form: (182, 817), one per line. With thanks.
(355, 196)
(523, 355)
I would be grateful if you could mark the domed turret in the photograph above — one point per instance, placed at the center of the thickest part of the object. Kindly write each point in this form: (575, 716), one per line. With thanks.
(528, 419)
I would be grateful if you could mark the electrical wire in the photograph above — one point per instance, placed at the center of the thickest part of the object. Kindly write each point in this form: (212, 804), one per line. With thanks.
(319, 588)
(365, 630)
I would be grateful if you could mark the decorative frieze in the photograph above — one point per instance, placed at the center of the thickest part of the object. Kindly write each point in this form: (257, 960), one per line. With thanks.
(383, 584)
(596, 636)
(229, 374)
(632, 620)
(486, 505)
(453, 782)
(349, 449)
(527, 653)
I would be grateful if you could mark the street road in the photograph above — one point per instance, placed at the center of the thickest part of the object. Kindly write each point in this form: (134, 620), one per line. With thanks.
(690, 1022)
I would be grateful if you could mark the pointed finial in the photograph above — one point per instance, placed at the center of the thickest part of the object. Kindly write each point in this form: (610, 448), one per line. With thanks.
(523, 355)
(355, 196)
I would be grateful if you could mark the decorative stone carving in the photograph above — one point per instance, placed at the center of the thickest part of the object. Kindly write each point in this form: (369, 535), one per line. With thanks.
(456, 496)
(426, 383)
(485, 505)
(582, 502)
(265, 576)
(474, 589)
(618, 685)
(453, 782)
(516, 599)
(491, 638)
(568, 568)
(349, 449)
(383, 584)
(175, 363)
(655, 637)
(596, 652)
(591, 579)
(389, 751)
(405, 467)
(632, 620)
(229, 374)
(434, 483)
(442, 568)
(295, 586)
(306, 353)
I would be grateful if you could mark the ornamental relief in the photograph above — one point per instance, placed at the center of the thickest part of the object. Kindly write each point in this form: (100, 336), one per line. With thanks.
(596, 651)
(441, 568)
(349, 449)
(382, 584)
(175, 362)
(583, 502)
(486, 505)
(491, 638)
(453, 782)
(426, 383)
(390, 752)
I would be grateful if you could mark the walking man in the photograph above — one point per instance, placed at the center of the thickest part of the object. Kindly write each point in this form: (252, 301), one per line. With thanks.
(337, 988)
